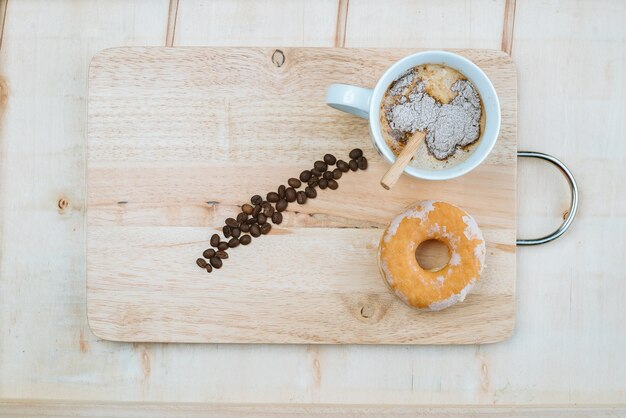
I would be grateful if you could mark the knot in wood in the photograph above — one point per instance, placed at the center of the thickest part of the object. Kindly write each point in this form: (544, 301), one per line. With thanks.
(367, 311)
(63, 203)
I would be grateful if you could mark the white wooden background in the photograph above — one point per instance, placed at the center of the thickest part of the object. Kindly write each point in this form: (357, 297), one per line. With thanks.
(569, 345)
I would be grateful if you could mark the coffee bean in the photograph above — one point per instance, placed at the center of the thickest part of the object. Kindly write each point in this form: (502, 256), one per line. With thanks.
(222, 255)
(222, 246)
(332, 184)
(268, 211)
(233, 242)
(320, 166)
(209, 268)
(281, 205)
(310, 192)
(215, 239)
(281, 191)
(337, 173)
(247, 208)
(216, 262)
(252, 220)
(277, 217)
(295, 183)
(362, 163)
(354, 166)
(256, 199)
(316, 172)
(323, 184)
(244, 228)
(208, 253)
(257, 209)
(328, 175)
(265, 228)
(330, 159)
(241, 218)
(272, 197)
(356, 153)
(201, 262)
(305, 176)
(261, 219)
(290, 195)
(245, 239)
(314, 181)
(301, 197)
(343, 166)
(232, 222)
(236, 232)
(255, 230)
(226, 231)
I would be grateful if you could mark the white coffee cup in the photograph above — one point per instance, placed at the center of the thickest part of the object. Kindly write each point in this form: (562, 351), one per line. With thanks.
(365, 103)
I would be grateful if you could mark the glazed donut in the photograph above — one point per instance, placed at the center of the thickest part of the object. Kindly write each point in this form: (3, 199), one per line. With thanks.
(441, 288)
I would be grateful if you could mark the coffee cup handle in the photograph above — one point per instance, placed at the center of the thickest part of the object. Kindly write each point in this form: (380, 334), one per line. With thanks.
(350, 99)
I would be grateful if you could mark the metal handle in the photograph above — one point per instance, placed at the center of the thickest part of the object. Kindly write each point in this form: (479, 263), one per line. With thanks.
(574, 202)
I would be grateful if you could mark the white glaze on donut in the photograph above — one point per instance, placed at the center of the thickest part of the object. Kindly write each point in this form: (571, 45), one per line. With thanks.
(458, 297)
(422, 214)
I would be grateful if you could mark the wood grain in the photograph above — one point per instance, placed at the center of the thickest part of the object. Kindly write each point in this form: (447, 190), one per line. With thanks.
(171, 23)
(342, 20)
(44, 58)
(92, 409)
(425, 24)
(581, 274)
(567, 350)
(271, 23)
(3, 15)
(508, 26)
(176, 144)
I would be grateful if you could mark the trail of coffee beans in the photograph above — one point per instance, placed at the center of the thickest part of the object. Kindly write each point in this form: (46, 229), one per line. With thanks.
(255, 217)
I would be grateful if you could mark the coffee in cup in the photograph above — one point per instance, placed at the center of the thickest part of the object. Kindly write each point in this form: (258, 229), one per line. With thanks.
(440, 101)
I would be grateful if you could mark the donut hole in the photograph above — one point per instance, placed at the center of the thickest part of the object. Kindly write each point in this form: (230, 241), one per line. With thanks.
(432, 255)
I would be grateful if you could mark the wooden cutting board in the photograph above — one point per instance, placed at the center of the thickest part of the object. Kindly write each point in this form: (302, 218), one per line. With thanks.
(178, 138)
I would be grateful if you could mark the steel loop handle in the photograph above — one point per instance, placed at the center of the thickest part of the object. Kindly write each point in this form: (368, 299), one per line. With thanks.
(573, 205)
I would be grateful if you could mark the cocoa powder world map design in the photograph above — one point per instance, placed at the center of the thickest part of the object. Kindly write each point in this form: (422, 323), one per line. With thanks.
(447, 126)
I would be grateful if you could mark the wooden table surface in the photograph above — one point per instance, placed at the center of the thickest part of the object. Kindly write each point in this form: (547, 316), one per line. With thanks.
(569, 344)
